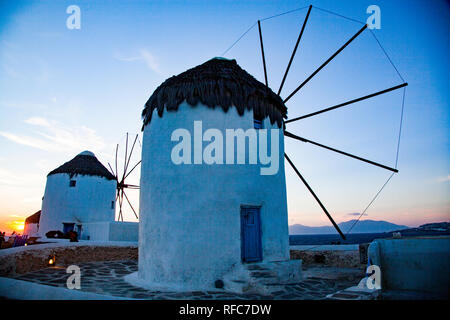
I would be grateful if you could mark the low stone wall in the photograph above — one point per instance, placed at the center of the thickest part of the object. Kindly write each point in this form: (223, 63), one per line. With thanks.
(32, 259)
(24, 261)
(329, 258)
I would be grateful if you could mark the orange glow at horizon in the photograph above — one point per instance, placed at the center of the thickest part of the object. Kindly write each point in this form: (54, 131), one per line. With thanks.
(16, 225)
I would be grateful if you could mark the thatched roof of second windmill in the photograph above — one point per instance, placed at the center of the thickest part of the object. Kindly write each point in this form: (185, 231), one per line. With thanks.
(34, 218)
(84, 164)
(217, 82)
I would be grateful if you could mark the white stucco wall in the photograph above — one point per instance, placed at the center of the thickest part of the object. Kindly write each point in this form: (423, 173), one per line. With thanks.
(190, 226)
(89, 201)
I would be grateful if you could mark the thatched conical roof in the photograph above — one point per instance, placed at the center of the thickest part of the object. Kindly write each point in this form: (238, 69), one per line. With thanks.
(84, 164)
(34, 218)
(217, 82)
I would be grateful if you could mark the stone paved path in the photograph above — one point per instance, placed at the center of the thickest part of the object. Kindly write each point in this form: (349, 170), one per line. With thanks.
(107, 278)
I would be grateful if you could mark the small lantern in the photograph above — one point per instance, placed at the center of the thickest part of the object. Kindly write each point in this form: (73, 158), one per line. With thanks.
(51, 260)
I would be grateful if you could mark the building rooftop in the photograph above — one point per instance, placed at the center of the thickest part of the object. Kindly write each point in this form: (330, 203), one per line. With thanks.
(217, 82)
(84, 163)
(34, 218)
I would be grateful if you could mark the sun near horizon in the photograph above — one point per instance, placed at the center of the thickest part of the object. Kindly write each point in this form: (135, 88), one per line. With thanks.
(12, 225)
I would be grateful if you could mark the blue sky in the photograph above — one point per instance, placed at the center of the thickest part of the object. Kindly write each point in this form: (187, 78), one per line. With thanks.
(63, 91)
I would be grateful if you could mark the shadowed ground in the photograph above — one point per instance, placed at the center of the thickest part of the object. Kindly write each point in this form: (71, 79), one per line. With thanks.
(106, 277)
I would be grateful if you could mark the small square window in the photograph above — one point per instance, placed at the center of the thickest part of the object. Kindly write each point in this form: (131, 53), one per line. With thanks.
(72, 183)
(257, 124)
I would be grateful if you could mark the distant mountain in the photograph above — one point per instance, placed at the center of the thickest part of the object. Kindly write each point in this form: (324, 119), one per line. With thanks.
(363, 226)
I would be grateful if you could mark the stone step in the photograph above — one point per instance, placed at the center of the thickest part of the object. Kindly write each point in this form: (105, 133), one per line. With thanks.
(255, 267)
(238, 281)
(355, 293)
(263, 278)
(262, 274)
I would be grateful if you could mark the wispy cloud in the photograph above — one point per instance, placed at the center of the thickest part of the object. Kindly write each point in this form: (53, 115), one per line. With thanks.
(18, 67)
(144, 56)
(38, 121)
(443, 179)
(26, 141)
(16, 179)
(55, 136)
(356, 214)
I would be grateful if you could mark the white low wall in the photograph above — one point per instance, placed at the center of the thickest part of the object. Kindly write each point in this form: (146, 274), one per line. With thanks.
(326, 247)
(24, 290)
(111, 231)
(419, 264)
(123, 231)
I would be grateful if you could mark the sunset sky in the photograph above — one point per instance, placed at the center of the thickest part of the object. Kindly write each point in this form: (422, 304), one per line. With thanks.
(65, 91)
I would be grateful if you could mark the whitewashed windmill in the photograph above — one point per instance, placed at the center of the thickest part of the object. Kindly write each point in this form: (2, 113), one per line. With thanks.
(79, 192)
(199, 222)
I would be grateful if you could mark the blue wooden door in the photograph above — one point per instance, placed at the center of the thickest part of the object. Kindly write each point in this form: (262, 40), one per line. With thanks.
(251, 248)
(68, 227)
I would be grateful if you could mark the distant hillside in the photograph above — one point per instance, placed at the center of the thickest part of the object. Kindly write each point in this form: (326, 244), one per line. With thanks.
(363, 226)
(437, 226)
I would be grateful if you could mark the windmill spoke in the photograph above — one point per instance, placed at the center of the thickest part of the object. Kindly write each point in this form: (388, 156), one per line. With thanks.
(131, 186)
(120, 204)
(121, 185)
(293, 136)
(348, 102)
(295, 49)
(326, 62)
(125, 160)
(117, 172)
(117, 197)
(262, 52)
(130, 205)
(133, 169)
(112, 171)
(315, 197)
(118, 200)
(131, 152)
